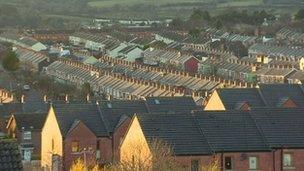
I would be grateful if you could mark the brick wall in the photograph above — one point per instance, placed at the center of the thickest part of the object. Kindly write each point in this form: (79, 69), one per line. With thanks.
(118, 137)
(86, 140)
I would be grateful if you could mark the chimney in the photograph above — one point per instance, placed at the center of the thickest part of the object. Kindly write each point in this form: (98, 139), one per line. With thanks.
(45, 98)
(109, 97)
(88, 98)
(67, 98)
(22, 99)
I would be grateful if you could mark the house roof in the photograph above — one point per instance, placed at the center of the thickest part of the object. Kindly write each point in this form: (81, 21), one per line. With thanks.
(31, 121)
(231, 97)
(115, 109)
(203, 132)
(281, 126)
(10, 158)
(276, 50)
(180, 131)
(8, 108)
(273, 93)
(127, 49)
(231, 131)
(88, 113)
(269, 95)
(171, 104)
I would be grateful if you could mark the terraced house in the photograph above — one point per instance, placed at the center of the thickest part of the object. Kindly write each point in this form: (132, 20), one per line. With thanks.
(72, 130)
(22, 41)
(128, 82)
(266, 95)
(237, 140)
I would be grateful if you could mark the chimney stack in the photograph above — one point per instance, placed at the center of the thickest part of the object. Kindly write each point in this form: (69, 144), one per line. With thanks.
(22, 99)
(88, 98)
(67, 98)
(45, 98)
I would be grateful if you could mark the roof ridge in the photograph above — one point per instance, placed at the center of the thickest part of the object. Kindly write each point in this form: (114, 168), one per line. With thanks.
(106, 123)
(262, 97)
(301, 88)
(202, 132)
(259, 129)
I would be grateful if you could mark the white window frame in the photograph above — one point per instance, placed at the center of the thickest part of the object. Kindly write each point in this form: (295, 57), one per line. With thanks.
(256, 163)
(27, 135)
(290, 163)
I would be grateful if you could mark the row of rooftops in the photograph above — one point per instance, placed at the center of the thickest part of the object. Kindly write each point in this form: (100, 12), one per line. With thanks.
(265, 95)
(189, 133)
(105, 83)
(23, 41)
(271, 50)
(287, 33)
(24, 114)
(164, 56)
(30, 56)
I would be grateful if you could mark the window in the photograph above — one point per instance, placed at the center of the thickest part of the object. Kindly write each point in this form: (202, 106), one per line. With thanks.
(75, 146)
(27, 135)
(253, 163)
(194, 165)
(27, 154)
(228, 163)
(97, 145)
(287, 160)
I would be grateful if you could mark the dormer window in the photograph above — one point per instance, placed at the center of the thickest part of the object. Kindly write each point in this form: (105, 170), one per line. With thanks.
(27, 135)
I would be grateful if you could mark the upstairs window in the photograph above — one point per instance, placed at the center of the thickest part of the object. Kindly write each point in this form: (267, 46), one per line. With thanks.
(27, 135)
(228, 163)
(75, 146)
(253, 163)
(194, 165)
(287, 160)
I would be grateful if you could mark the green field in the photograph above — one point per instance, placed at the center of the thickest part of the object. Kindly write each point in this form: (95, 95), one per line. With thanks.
(110, 3)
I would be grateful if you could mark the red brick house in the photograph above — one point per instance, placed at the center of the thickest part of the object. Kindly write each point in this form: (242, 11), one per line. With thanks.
(259, 139)
(191, 65)
(265, 95)
(26, 128)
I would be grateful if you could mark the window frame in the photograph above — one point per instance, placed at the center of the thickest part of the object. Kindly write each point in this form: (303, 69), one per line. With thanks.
(195, 163)
(75, 147)
(26, 135)
(291, 160)
(257, 163)
(231, 161)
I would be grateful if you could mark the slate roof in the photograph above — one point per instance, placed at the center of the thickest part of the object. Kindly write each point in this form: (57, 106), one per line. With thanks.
(231, 131)
(8, 108)
(170, 104)
(281, 127)
(203, 133)
(88, 113)
(180, 131)
(269, 95)
(231, 97)
(32, 121)
(273, 93)
(114, 110)
(10, 158)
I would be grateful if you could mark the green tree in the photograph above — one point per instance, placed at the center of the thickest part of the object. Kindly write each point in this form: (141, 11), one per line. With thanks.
(194, 33)
(218, 24)
(86, 90)
(300, 15)
(10, 62)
